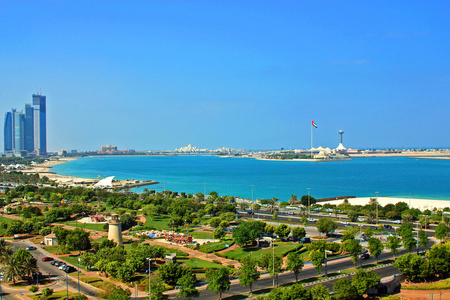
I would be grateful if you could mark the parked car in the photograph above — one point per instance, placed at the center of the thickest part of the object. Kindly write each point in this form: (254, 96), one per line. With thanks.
(250, 212)
(30, 248)
(364, 256)
(347, 225)
(62, 267)
(387, 226)
(344, 223)
(426, 226)
(69, 269)
(306, 240)
(58, 263)
(397, 222)
(47, 258)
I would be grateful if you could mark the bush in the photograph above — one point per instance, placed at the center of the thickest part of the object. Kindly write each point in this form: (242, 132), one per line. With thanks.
(33, 288)
(217, 261)
(47, 292)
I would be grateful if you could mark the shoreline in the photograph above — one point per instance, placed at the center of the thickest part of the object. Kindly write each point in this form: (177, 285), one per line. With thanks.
(421, 204)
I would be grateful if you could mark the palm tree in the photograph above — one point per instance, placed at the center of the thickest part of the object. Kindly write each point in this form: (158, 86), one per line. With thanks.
(29, 267)
(5, 253)
(13, 269)
(273, 205)
(293, 200)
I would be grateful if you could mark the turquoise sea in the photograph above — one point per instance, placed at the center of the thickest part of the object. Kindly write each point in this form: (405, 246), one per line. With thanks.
(362, 177)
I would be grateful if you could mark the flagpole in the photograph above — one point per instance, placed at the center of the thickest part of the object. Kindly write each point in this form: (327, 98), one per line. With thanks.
(311, 138)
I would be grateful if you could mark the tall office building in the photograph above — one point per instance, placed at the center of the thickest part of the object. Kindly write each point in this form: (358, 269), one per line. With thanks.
(8, 133)
(18, 133)
(40, 124)
(28, 129)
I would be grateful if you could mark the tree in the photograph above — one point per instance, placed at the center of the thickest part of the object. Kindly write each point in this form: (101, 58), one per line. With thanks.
(215, 222)
(282, 230)
(170, 273)
(298, 232)
(368, 231)
(393, 243)
(119, 294)
(411, 266)
(157, 289)
(219, 233)
(47, 292)
(293, 200)
(317, 257)
(219, 280)
(343, 289)
(439, 258)
(294, 263)
(275, 216)
(364, 280)
(78, 240)
(249, 272)
(187, 285)
(88, 259)
(423, 238)
(304, 200)
(33, 288)
(375, 247)
(441, 231)
(320, 292)
(267, 263)
(326, 225)
(406, 232)
(353, 247)
(248, 231)
(352, 215)
(13, 268)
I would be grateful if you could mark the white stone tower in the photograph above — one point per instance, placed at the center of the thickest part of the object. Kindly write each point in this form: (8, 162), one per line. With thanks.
(341, 147)
(115, 229)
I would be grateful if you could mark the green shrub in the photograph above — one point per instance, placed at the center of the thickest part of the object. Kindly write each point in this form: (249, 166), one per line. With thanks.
(217, 261)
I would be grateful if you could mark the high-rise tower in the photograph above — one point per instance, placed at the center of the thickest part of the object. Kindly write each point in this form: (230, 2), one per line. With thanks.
(8, 133)
(40, 124)
(28, 129)
(18, 131)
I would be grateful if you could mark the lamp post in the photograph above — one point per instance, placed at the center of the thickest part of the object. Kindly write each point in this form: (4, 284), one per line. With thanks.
(67, 286)
(204, 191)
(273, 263)
(309, 203)
(37, 273)
(326, 262)
(377, 204)
(149, 280)
(253, 216)
(78, 262)
(431, 296)
(164, 185)
(1, 293)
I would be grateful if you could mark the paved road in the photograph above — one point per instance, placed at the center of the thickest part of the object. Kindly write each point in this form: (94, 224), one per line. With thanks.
(49, 271)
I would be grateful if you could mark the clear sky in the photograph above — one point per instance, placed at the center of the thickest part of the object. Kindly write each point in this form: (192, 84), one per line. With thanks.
(154, 75)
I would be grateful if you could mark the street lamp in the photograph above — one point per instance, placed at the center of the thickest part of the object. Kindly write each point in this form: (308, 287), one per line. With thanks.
(78, 262)
(149, 280)
(309, 204)
(252, 201)
(1, 293)
(164, 185)
(377, 204)
(431, 296)
(326, 262)
(273, 263)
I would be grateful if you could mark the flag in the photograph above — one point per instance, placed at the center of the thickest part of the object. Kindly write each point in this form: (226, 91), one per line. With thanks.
(313, 124)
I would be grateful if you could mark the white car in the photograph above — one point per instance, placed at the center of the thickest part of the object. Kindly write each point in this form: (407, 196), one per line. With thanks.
(345, 223)
(62, 266)
(397, 222)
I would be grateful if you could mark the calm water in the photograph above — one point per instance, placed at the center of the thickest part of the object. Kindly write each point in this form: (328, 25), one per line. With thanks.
(362, 177)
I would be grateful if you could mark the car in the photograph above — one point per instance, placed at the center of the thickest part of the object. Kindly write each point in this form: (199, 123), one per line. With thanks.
(397, 222)
(387, 226)
(364, 256)
(47, 258)
(30, 248)
(374, 227)
(58, 263)
(345, 223)
(290, 212)
(426, 226)
(250, 212)
(62, 267)
(306, 240)
(69, 269)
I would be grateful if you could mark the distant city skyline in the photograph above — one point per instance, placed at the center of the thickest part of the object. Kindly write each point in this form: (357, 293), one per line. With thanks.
(159, 75)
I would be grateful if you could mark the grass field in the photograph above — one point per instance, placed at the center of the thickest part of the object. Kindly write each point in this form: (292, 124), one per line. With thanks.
(202, 235)
(440, 285)
(200, 263)
(159, 223)
(217, 246)
(60, 295)
(257, 253)
(98, 227)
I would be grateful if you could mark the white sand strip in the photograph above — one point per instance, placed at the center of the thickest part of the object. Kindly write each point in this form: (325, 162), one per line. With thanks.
(421, 204)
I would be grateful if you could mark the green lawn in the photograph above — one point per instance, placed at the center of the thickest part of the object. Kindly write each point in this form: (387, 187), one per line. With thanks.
(440, 285)
(257, 253)
(159, 223)
(200, 263)
(202, 235)
(98, 227)
(217, 246)
(60, 295)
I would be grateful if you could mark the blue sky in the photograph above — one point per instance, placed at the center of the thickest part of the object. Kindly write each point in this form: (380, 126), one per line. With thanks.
(241, 74)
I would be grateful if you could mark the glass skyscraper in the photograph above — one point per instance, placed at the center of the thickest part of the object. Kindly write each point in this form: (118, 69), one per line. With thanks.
(26, 131)
(40, 124)
(8, 133)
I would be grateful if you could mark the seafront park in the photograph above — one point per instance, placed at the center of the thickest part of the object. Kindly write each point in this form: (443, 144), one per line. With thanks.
(224, 226)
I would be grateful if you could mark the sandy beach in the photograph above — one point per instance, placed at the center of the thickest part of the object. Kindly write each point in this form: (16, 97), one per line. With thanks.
(421, 204)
